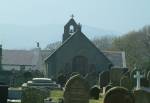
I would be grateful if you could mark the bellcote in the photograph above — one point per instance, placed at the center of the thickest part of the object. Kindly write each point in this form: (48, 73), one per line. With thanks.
(70, 28)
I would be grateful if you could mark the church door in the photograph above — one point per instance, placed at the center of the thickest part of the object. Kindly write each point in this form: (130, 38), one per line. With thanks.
(80, 64)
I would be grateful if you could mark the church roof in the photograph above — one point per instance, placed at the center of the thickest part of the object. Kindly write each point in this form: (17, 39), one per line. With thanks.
(69, 39)
(26, 57)
(17, 57)
(23, 57)
(116, 57)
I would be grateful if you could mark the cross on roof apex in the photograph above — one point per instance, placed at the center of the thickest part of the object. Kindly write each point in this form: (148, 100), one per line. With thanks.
(72, 16)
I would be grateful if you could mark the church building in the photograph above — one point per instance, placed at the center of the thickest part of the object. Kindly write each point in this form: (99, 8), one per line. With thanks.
(78, 54)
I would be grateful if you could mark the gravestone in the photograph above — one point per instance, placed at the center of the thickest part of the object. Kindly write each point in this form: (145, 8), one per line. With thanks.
(108, 87)
(132, 73)
(126, 82)
(104, 79)
(141, 96)
(94, 92)
(148, 77)
(3, 93)
(118, 95)
(144, 82)
(115, 76)
(76, 90)
(138, 77)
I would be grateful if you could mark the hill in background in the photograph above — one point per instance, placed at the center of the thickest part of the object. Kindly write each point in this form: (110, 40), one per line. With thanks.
(25, 37)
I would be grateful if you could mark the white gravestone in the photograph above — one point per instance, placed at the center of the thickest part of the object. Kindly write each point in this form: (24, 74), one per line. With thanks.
(138, 78)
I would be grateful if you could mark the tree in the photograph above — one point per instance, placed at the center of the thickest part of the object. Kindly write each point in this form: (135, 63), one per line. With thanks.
(53, 46)
(104, 42)
(61, 79)
(136, 45)
(27, 75)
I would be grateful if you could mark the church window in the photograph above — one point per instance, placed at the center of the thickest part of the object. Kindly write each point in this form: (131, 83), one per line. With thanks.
(80, 64)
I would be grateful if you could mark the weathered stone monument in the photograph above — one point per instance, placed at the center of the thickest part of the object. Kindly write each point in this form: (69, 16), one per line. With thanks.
(115, 76)
(104, 79)
(148, 77)
(142, 96)
(126, 82)
(3, 93)
(76, 90)
(144, 82)
(138, 78)
(118, 95)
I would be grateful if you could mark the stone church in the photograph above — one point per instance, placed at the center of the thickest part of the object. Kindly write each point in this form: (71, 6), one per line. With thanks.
(78, 54)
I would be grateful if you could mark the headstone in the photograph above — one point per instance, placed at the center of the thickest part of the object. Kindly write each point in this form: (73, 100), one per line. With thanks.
(104, 79)
(108, 87)
(138, 77)
(132, 73)
(118, 95)
(3, 93)
(148, 77)
(144, 82)
(94, 92)
(115, 76)
(126, 82)
(141, 96)
(76, 90)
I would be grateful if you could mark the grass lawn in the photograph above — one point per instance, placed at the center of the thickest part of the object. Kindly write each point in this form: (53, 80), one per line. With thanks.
(56, 94)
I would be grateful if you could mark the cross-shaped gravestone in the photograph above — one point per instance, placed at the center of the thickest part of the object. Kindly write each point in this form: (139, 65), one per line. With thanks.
(138, 77)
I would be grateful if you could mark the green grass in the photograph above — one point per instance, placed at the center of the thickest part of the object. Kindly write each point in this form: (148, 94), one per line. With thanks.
(56, 94)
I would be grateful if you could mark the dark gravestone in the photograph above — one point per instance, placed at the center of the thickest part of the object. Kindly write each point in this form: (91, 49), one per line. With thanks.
(148, 77)
(108, 87)
(141, 96)
(104, 79)
(126, 82)
(3, 93)
(144, 82)
(76, 90)
(115, 76)
(118, 95)
(94, 92)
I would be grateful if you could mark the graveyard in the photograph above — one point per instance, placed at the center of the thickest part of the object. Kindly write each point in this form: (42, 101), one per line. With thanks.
(47, 56)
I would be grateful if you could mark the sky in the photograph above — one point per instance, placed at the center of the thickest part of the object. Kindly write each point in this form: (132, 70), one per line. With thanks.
(116, 15)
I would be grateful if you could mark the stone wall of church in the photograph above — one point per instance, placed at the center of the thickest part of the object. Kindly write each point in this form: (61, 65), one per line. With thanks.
(62, 61)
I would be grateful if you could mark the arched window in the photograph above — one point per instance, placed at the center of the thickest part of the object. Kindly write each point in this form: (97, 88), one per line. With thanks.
(80, 64)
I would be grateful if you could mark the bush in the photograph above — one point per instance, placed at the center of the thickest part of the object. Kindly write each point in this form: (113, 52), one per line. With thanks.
(94, 92)
(33, 95)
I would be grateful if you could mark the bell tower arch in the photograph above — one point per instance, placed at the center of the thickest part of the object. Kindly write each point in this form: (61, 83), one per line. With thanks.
(70, 28)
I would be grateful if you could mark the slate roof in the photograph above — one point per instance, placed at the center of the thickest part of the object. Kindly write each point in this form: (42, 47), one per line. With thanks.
(28, 57)
(17, 57)
(116, 57)
(23, 57)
